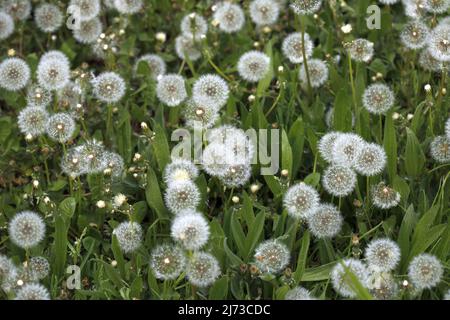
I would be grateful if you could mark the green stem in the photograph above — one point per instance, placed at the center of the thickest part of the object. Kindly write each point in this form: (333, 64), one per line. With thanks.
(305, 60)
(352, 82)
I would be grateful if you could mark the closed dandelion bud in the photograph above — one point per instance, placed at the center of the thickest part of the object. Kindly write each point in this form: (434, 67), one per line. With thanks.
(415, 35)
(361, 50)
(89, 31)
(14, 74)
(235, 199)
(48, 17)
(194, 25)
(272, 256)
(171, 90)
(32, 121)
(341, 280)
(187, 47)
(347, 28)
(325, 222)
(318, 73)
(326, 144)
(128, 6)
(378, 98)
(383, 254)
(26, 229)
(18, 9)
(6, 25)
(425, 271)
(339, 180)
(202, 269)
(345, 149)
(167, 261)
(440, 149)
(190, 229)
(409, 116)
(161, 37)
(301, 200)
(109, 87)
(298, 293)
(182, 195)
(39, 267)
(32, 291)
(180, 170)
(253, 66)
(370, 160)
(305, 7)
(60, 127)
(384, 197)
(264, 12)
(210, 90)
(53, 73)
(129, 236)
(155, 63)
(230, 17)
(292, 47)
(101, 204)
(88, 8)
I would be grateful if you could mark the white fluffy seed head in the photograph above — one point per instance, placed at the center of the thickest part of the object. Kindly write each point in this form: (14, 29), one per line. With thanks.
(230, 16)
(72, 164)
(361, 50)
(318, 73)
(182, 195)
(38, 96)
(60, 127)
(14, 74)
(6, 267)
(39, 267)
(155, 63)
(213, 159)
(6, 25)
(128, 6)
(129, 236)
(253, 66)
(180, 170)
(272, 256)
(236, 173)
(384, 197)
(186, 47)
(109, 87)
(378, 98)
(190, 229)
(370, 159)
(415, 34)
(53, 73)
(88, 8)
(298, 293)
(115, 163)
(198, 116)
(305, 7)
(437, 6)
(292, 47)
(89, 31)
(326, 144)
(345, 149)
(341, 280)
(26, 229)
(383, 254)
(18, 9)
(167, 261)
(382, 285)
(439, 43)
(56, 55)
(264, 12)
(171, 89)
(194, 25)
(425, 271)
(33, 120)
(202, 269)
(440, 149)
(339, 180)
(48, 17)
(32, 291)
(92, 157)
(429, 63)
(325, 222)
(301, 200)
(210, 90)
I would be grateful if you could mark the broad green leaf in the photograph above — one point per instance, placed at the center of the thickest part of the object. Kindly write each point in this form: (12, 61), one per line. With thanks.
(301, 260)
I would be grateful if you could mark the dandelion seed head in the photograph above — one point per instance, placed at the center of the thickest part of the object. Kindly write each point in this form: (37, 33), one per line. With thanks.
(114, 161)
(325, 222)
(180, 170)
(298, 293)
(370, 160)
(26, 229)
(171, 90)
(182, 195)
(89, 31)
(440, 149)
(128, 6)
(382, 285)
(55, 55)
(388, 2)
(415, 34)
(155, 63)
(6, 267)
(88, 8)
(213, 159)
(93, 157)
(32, 291)
(384, 197)
(292, 47)
(48, 17)
(318, 73)
(53, 73)
(194, 25)
(425, 271)
(264, 12)
(339, 180)
(167, 261)
(383, 254)
(109, 87)
(345, 149)
(39, 267)
(437, 6)
(187, 47)
(202, 269)
(70, 98)
(60, 127)
(72, 163)
(14, 74)
(253, 66)
(37, 96)
(301, 200)
(429, 63)
(210, 90)
(361, 50)
(326, 144)
(272, 256)
(32, 121)
(378, 98)
(6, 25)
(18, 9)
(199, 116)
(305, 7)
(341, 280)
(236, 173)
(190, 229)
(439, 43)
(129, 236)
(230, 16)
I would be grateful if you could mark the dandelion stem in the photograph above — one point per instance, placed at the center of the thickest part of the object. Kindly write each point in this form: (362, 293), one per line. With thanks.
(352, 83)
(305, 60)
(109, 122)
